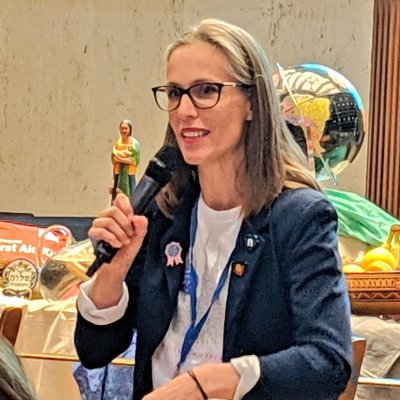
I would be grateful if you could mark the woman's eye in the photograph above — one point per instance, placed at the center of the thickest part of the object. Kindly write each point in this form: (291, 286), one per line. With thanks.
(207, 89)
(173, 93)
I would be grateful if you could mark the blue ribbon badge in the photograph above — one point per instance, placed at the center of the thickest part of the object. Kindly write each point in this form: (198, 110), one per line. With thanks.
(173, 251)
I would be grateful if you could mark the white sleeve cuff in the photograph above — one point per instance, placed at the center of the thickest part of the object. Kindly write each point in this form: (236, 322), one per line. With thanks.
(248, 367)
(105, 316)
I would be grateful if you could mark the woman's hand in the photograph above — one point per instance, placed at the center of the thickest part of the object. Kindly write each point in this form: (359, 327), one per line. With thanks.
(219, 381)
(125, 231)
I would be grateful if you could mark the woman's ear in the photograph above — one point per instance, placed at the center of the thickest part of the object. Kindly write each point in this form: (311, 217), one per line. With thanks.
(249, 116)
(249, 105)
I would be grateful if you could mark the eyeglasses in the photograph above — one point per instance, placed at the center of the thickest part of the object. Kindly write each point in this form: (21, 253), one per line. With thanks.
(203, 95)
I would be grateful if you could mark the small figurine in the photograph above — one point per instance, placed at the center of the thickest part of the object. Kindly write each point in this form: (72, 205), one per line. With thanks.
(125, 158)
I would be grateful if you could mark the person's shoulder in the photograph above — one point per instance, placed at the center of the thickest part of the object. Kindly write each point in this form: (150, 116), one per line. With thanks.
(298, 200)
(300, 209)
(303, 195)
(134, 141)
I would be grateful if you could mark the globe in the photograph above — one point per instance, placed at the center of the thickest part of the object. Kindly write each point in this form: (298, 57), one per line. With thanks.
(325, 114)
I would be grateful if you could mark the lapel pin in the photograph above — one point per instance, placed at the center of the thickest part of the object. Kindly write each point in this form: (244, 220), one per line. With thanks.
(238, 268)
(173, 251)
(251, 241)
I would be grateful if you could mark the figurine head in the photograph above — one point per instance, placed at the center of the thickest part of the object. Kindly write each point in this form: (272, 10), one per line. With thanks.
(125, 127)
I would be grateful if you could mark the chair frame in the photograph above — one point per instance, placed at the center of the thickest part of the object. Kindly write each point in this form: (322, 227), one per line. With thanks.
(10, 321)
(359, 345)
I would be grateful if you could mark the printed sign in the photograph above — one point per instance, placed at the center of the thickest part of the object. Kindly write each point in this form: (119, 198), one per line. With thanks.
(21, 241)
(19, 278)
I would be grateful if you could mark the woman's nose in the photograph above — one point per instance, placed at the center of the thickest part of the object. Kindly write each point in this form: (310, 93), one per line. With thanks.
(186, 107)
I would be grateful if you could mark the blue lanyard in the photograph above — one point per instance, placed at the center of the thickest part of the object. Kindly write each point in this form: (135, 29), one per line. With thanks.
(190, 286)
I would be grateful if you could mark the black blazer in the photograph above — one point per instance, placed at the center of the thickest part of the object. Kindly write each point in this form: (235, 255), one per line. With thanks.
(290, 307)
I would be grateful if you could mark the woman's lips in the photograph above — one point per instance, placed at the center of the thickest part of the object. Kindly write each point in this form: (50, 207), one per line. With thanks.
(194, 133)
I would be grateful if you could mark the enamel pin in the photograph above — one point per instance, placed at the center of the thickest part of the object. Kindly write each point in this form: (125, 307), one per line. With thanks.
(238, 268)
(251, 241)
(173, 251)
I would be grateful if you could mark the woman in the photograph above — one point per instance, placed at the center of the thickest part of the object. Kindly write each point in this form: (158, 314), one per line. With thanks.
(125, 157)
(233, 279)
(14, 384)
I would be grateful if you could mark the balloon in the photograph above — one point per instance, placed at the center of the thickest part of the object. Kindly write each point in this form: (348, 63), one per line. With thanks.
(324, 106)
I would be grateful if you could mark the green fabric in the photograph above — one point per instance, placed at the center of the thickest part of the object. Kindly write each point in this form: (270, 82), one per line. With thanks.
(123, 180)
(360, 218)
(136, 152)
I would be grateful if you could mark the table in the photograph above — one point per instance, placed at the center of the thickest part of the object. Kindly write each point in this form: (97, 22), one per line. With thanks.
(382, 356)
(45, 344)
(47, 327)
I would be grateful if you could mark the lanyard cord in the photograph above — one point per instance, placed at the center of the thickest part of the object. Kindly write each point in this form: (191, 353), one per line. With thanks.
(190, 282)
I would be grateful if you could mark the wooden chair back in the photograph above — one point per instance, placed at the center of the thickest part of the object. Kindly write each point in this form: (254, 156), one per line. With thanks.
(359, 345)
(10, 321)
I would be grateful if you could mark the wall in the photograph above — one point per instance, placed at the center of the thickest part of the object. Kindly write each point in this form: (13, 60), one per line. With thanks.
(70, 70)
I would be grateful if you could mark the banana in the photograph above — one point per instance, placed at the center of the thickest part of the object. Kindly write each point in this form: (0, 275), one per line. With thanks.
(388, 252)
(395, 247)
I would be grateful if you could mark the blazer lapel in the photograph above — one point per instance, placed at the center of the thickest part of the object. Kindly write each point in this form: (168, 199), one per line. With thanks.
(244, 264)
(176, 240)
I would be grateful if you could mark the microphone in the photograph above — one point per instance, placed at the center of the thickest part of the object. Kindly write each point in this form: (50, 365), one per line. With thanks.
(158, 173)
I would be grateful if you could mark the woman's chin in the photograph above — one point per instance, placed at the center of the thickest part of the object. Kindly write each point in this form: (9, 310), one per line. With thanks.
(192, 163)
(192, 159)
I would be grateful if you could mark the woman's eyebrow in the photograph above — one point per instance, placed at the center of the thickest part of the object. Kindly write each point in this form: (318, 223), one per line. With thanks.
(197, 81)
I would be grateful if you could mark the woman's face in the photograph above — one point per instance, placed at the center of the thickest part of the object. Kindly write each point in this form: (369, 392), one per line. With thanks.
(214, 135)
(124, 130)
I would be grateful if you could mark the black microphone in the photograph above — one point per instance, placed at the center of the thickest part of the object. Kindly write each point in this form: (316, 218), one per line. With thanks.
(158, 173)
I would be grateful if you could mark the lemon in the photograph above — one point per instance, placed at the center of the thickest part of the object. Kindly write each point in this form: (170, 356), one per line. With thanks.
(381, 254)
(352, 268)
(378, 265)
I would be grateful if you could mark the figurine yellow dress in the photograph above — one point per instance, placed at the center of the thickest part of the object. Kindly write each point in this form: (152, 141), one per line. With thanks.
(125, 158)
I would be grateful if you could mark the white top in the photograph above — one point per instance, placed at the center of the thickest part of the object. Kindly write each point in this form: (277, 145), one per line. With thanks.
(215, 240)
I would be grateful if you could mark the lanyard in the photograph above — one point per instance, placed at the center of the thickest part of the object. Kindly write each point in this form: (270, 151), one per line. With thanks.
(190, 286)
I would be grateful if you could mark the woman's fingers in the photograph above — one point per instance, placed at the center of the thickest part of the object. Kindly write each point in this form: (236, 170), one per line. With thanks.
(119, 227)
(114, 231)
(114, 225)
(129, 252)
(123, 203)
(98, 234)
(139, 224)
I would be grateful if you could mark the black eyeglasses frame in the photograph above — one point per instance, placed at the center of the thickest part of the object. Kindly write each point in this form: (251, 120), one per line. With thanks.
(182, 91)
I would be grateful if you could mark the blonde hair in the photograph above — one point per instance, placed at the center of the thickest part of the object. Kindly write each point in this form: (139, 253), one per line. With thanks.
(273, 160)
(14, 384)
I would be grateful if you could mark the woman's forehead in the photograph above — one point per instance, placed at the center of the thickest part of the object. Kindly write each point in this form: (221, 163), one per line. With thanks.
(197, 61)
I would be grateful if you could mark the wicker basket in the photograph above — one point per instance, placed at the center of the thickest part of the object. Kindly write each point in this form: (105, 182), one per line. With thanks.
(374, 293)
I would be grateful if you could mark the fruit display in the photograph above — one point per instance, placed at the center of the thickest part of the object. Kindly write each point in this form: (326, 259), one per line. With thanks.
(385, 258)
(373, 280)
